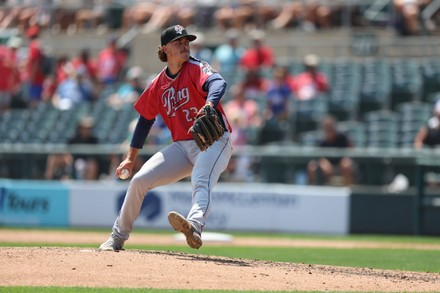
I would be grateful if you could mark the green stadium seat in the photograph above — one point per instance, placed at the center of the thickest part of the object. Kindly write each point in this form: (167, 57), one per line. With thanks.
(306, 114)
(355, 130)
(382, 129)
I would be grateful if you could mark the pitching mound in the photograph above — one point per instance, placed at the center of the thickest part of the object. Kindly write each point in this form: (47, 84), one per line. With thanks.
(54, 266)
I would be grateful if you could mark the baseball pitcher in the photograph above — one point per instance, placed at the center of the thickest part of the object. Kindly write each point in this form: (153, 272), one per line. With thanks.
(186, 93)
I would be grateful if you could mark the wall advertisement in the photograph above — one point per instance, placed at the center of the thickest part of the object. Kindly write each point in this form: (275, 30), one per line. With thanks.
(234, 207)
(245, 207)
(33, 203)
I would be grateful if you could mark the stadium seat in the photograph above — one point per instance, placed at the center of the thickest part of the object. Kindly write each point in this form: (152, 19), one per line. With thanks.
(306, 114)
(345, 83)
(375, 90)
(310, 138)
(382, 129)
(412, 116)
(406, 82)
(430, 74)
(355, 130)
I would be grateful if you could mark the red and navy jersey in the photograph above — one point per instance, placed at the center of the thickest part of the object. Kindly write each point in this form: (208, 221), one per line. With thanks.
(178, 99)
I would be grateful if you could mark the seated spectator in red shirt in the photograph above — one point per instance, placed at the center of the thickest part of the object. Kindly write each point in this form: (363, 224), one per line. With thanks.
(85, 60)
(258, 55)
(34, 68)
(9, 70)
(110, 63)
(307, 85)
(60, 69)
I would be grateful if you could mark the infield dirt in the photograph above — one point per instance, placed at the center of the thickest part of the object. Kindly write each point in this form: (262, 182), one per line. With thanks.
(85, 267)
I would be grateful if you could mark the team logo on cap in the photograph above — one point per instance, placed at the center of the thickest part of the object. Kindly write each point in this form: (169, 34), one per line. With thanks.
(179, 29)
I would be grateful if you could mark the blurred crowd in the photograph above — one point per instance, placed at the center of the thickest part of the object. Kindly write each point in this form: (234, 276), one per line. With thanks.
(36, 76)
(258, 102)
(72, 16)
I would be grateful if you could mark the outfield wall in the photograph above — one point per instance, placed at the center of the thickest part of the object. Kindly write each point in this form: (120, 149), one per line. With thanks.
(240, 207)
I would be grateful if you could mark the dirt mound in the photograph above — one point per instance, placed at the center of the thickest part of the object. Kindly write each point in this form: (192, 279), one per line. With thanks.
(54, 266)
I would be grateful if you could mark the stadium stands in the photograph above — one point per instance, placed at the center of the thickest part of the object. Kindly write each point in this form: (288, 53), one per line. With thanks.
(366, 94)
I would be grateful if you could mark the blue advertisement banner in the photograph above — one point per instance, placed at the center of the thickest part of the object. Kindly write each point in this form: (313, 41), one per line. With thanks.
(33, 203)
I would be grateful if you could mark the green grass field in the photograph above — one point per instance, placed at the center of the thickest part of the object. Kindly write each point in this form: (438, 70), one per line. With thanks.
(421, 260)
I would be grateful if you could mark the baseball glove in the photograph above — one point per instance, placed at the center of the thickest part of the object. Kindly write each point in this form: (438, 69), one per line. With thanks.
(206, 128)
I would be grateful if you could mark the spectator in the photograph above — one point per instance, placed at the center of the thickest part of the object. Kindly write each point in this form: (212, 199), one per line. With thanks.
(254, 85)
(246, 110)
(110, 63)
(164, 14)
(61, 69)
(85, 166)
(429, 134)
(59, 166)
(227, 56)
(137, 14)
(9, 68)
(308, 84)
(10, 16)
(93, 17)
(52, 81)
(258, 55)
(246, 14)
(291, 14)
(25, 17)
(64, 18)
(129, 91)
(34, 66)
(264, 13)
(199, 49)
(246, 119)
(408, 16)
(319, 14)
(76, 89)
(83, 59)
(235, 14)
(278, 95)
(328, 167)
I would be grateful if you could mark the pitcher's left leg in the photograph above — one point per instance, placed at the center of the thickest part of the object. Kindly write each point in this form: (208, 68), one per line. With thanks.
(205, 175)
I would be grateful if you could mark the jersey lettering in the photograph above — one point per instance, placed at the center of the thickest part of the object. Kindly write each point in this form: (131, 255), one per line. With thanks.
(173, 100)
(190, 113)
(178, 99)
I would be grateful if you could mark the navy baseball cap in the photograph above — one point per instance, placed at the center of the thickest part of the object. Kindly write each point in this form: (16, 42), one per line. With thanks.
(174, 33)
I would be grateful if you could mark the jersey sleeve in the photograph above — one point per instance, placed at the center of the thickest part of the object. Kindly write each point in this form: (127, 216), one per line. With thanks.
(201, 73)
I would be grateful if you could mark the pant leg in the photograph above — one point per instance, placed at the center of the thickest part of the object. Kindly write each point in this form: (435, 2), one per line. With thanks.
(206, 172)
(167, 166)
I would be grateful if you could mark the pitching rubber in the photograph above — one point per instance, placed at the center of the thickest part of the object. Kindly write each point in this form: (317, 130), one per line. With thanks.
(180, 224)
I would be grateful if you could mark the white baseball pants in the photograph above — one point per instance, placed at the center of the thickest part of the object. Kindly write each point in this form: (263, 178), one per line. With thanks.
(173, 163)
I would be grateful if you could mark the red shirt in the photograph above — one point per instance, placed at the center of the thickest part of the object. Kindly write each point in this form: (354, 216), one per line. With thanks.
(35, 58)
(109, 63)
(61, 73)
(90, 66)
(177, 99)
(254, 58)
(8, 70)
(306, 86)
